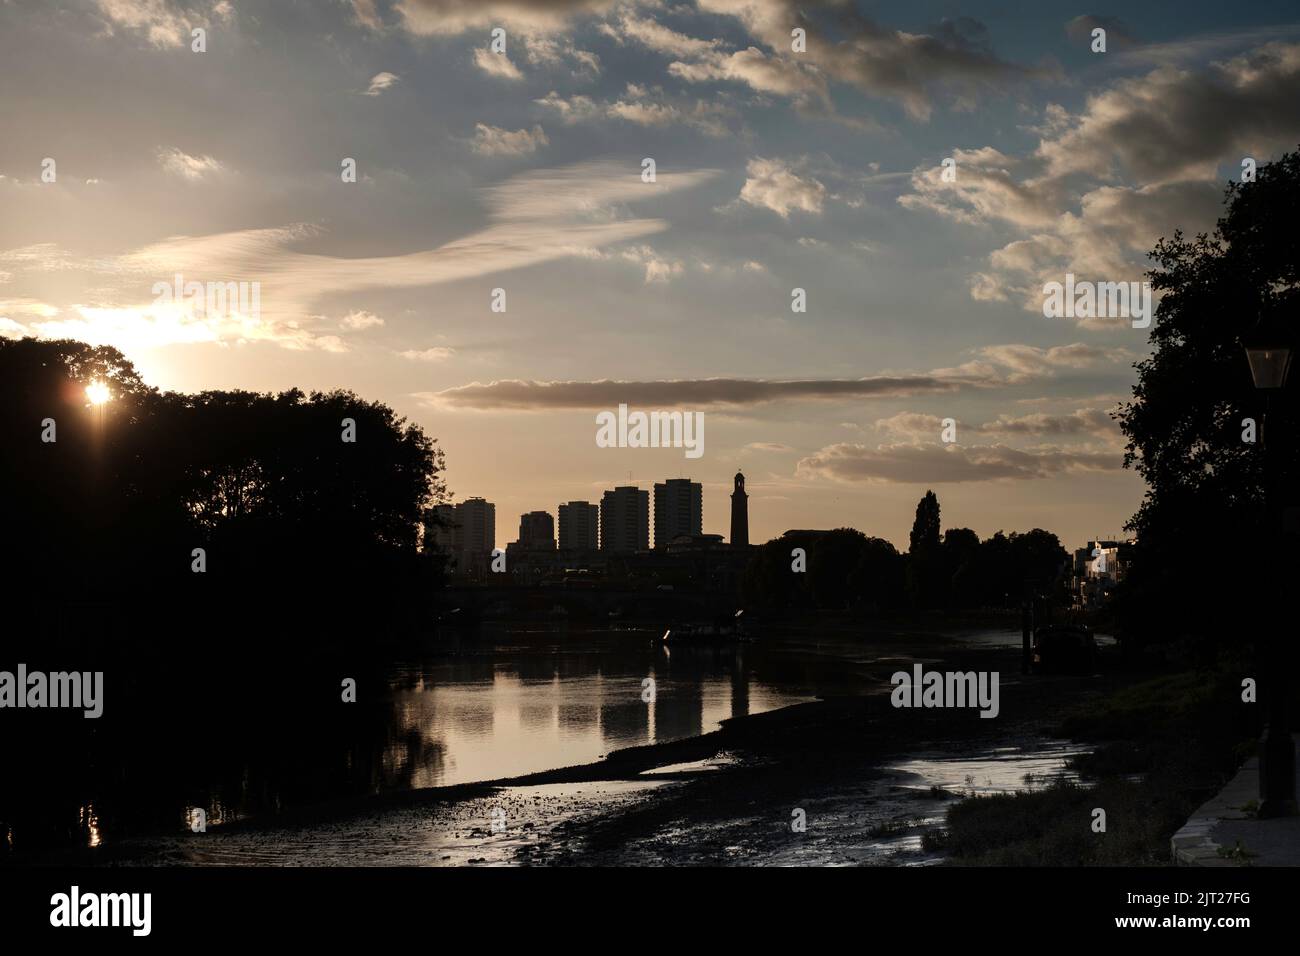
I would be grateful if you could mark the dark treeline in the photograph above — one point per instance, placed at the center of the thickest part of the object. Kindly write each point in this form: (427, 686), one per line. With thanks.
(1210, 549)
(301, 531)
(845, 569)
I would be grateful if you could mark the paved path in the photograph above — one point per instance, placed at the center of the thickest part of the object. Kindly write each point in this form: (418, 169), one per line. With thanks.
(1225, 831)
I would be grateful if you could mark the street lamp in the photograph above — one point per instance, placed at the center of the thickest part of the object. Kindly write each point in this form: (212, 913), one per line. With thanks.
(1270, 359)
(1268, 351)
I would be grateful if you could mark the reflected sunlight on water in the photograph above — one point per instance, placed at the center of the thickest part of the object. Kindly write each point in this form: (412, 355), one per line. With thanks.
(507, 725)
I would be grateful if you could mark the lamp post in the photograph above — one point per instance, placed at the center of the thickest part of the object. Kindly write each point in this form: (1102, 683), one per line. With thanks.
(1269, 353)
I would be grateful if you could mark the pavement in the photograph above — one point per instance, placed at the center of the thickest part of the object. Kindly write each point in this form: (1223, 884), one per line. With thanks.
(1226, 832)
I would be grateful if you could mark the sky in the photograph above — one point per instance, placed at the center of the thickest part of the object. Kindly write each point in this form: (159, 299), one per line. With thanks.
(776, 169)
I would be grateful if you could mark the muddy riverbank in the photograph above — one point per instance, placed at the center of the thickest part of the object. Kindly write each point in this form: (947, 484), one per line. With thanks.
(846, 779)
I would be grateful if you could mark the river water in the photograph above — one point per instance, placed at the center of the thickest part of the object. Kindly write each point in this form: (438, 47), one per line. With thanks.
(498, 702)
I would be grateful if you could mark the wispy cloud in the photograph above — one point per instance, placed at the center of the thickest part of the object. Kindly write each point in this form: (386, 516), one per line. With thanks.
(494, 141)
(1091, 422)
(535, 217)
(437, 353)
(380, 82)
(177, 162)
(939, 463)
(496, 64)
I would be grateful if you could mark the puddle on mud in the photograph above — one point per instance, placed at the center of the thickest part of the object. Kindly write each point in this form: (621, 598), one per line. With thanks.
(719, 762)
(1002, 770)
(940, 780)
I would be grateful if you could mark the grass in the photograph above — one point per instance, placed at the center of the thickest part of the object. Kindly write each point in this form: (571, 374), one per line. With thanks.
(1164, 745)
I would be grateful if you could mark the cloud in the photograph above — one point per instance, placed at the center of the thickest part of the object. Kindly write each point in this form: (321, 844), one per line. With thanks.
(1176, 124)
(27, 306)
(572, 110)
(771, 184)
(767, 446)
(496, 64)
(194, 168)
(940, 463)
(657, 268)
(541, 396)
(380, 82)
(361, 319)
(494, 141)
(153, 326)
(766, 74)
(953, 59)
(636, 107)
(1073, 197)
(453, 17)
(535, 217)
(367, 14)
(436, 354)
(659, 38)
(1090, 422)
(550, 52)
(983, 189)
(164, 25)
(1032, 361)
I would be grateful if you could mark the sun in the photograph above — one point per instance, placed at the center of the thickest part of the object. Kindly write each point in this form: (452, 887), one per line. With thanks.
(98, 393)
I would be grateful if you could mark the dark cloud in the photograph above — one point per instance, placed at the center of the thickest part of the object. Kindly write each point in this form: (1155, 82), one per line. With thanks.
(1175, 124)
(528, 395)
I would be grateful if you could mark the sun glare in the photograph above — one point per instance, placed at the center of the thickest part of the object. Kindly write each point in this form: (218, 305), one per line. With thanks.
(98, 393)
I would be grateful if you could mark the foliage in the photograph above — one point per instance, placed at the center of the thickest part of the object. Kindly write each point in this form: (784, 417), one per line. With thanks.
(263, 483)
(1199, 523)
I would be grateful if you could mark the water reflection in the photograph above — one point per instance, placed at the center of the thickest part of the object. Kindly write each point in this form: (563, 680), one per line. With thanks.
(237, 739)
(459, 723)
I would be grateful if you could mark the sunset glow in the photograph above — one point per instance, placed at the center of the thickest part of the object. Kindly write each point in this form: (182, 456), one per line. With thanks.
(97, 393)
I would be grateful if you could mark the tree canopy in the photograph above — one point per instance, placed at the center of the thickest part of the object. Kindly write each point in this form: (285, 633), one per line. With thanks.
(1199, 523)
(288, 514)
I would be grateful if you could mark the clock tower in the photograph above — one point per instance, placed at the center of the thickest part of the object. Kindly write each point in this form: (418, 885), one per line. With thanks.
(739, 514)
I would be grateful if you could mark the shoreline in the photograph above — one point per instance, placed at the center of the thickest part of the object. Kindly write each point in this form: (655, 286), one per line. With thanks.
(829, 757)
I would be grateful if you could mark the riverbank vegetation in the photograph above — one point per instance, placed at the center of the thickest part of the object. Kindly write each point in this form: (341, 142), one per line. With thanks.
(1163, 747)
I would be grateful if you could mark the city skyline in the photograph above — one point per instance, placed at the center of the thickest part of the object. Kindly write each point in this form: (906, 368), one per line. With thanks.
(557, 523)
(520, 171)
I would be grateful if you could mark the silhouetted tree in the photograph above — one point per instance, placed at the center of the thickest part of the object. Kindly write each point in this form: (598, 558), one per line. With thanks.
(1185, 423)
(877, 580)
(832, 559)
(924, 559)
(845, 569)
(1011, 563)
(961, 556)
(300, 528)
(769, 582)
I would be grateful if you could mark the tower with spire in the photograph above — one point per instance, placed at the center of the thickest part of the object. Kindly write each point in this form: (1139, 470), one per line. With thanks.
(739, 514)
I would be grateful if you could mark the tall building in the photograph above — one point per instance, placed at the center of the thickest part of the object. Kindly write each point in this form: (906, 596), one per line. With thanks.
(579, 526)
(537, 531)
(477, 520)
(679, 506)
(625, 519)
(739, 514)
